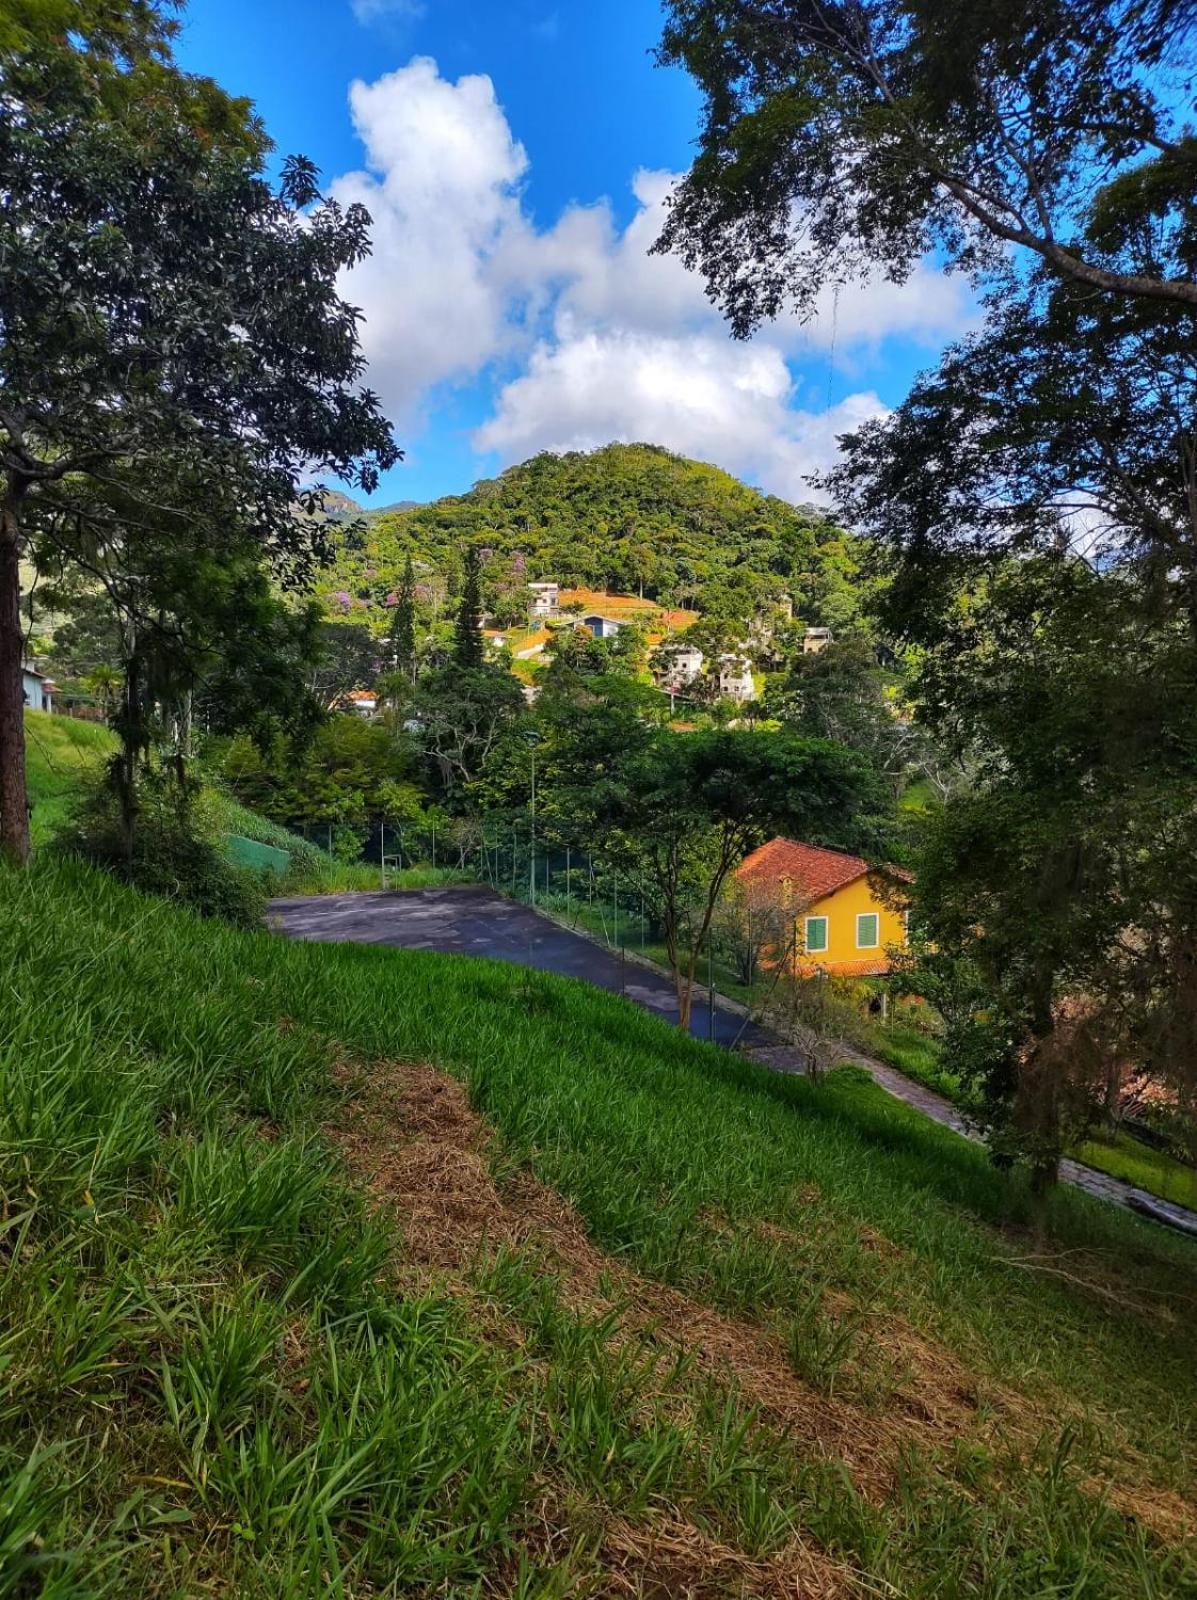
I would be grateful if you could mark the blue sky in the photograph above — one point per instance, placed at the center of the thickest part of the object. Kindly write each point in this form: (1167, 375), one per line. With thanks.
(515, 157)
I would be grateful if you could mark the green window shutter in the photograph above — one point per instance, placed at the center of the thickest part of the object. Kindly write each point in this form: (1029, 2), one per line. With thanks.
(816, 935)
(868, 935)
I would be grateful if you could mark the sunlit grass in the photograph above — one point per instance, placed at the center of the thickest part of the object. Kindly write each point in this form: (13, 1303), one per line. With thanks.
(208, 1383)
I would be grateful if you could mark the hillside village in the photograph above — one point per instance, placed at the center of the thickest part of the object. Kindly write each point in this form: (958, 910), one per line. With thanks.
(598, 801)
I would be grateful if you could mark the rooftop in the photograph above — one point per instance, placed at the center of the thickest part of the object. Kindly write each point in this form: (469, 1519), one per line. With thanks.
(810, 867)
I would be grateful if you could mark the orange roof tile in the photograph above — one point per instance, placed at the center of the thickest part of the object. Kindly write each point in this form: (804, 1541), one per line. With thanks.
(811, 868)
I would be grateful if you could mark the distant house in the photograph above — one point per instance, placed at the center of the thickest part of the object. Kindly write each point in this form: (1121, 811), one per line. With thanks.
(546, 599)
(847, 914)
(816, 639)
(600, 626)
(39, 690)
(680, 665)
(735, 678)
(363, 701)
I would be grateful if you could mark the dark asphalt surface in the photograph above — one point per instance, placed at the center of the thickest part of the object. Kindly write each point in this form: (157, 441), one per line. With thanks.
(477, 922)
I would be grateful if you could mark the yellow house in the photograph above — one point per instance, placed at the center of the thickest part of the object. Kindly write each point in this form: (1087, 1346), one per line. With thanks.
(847, 914)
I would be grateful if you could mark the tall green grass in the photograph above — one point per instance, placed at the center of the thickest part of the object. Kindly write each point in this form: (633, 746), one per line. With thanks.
(59, 752)
(208, 1382)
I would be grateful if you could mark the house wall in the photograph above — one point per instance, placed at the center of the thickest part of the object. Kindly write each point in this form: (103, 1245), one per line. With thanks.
(841, 910)
(36, 697)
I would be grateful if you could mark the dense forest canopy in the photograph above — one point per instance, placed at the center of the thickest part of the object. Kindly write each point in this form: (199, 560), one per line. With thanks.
(630, 517)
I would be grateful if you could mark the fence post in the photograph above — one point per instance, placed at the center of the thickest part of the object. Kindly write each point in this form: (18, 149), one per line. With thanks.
(568, 902)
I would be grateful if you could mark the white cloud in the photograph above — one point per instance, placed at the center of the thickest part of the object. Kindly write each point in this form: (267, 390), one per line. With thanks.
(606, 340)
(368, 11)
(440, 184)
(698, 394)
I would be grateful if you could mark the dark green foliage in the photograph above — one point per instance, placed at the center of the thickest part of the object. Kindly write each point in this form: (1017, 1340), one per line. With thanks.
(843, 137)
(172, 854)
(174, 353)
(468, 645)
(402, 636)
(577, 517)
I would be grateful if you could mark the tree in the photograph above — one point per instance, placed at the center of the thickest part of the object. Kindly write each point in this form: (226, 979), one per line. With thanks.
(467, 637)
(845, 136)
(174, 355)
(403, 624)
(346, 658)
(458, 715)
(687, 808)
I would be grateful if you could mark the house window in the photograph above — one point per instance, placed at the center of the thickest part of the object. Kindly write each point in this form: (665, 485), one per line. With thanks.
(867, 934)
(816, 935)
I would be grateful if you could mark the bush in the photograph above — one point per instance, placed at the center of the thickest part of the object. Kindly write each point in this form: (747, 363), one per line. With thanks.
(173, 855)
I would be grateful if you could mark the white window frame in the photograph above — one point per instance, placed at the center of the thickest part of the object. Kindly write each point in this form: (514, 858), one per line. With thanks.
(874, 944)
(822, 950)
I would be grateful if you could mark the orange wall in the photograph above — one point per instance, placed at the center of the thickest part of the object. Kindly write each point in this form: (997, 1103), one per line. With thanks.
(841, 910)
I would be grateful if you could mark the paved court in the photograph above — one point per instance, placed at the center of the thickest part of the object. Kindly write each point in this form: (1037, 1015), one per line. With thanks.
(474, 921)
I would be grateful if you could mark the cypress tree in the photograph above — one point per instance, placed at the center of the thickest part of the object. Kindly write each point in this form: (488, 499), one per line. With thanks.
(467, 643)
(403, 625)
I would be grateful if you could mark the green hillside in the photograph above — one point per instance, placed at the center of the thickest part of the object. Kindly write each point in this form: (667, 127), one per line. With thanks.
(626, 516)
(287, 1314)
(58, 751)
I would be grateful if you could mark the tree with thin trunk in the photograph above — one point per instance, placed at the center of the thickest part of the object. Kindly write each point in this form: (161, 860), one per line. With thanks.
(689, 807)
(467, 638)
(849, 138)
(175, 359)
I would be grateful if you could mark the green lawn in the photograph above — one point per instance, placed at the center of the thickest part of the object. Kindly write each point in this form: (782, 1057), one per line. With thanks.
(57, 751)
(1123, 1156)
(210, 1380)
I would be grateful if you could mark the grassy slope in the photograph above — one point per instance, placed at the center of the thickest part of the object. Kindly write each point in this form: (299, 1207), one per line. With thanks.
(58, 750)
(61, 749)
(207, 1380)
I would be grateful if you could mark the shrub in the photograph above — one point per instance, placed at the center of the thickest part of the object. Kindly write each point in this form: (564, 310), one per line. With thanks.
(172, 854)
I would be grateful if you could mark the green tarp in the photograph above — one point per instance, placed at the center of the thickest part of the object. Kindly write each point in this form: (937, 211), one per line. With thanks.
(261, 857)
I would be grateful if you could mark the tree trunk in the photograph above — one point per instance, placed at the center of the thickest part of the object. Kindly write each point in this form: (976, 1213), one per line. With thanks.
(685, 998)
(14, 806)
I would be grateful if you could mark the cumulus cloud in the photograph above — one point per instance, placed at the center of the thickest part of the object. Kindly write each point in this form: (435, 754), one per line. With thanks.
(588, 336)
(440, 183)
(697, 394)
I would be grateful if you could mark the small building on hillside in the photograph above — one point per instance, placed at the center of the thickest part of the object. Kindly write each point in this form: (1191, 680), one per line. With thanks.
(815, 639)
(546, 599)
(601, 627)
(39, 690)
(362, 701)
(735, 678)
(847, 915)
(679, 665)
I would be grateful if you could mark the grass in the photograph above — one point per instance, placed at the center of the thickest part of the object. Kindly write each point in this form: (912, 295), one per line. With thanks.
(1123, 1156)
(209, 1380)
(58, 752)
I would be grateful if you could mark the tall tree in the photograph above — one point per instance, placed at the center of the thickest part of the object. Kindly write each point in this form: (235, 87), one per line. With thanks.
(468, 649)
(842, 137)
(403, 624)
(174, 353)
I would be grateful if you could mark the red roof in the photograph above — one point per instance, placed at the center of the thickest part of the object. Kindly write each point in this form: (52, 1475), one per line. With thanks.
(810, 868)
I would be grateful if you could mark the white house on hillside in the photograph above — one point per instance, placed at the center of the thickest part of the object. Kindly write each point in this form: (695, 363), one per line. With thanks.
(546, 599)
(680, 665)
(814, 640)
(735, 678)
(39, 691)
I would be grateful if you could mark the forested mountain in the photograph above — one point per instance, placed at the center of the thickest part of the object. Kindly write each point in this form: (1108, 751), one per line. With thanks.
(628, 517)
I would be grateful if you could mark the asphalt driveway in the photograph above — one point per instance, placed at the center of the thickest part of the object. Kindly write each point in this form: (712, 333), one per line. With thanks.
(474, 921)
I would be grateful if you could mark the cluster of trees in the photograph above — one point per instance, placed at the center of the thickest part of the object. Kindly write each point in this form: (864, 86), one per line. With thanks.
(1034, 497)
(175, 363)
(633, 518)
